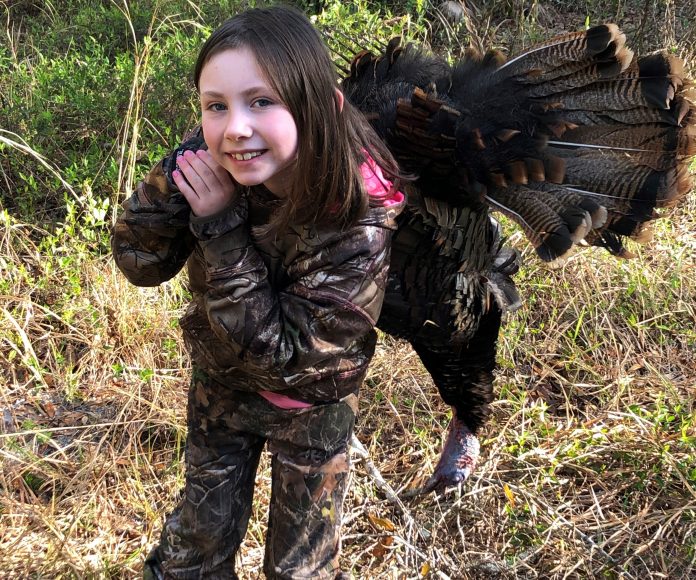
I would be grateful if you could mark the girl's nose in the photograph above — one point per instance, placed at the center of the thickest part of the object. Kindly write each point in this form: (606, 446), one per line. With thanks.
(238, 127)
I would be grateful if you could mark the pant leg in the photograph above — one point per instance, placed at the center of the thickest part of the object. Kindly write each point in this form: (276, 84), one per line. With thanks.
(201, 537)
(310, 469)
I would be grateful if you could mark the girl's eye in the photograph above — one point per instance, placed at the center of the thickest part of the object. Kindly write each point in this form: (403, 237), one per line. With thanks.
(262, 102)
(216, 107)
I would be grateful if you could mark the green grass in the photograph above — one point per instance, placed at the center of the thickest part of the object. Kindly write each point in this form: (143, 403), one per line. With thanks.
(587, 467)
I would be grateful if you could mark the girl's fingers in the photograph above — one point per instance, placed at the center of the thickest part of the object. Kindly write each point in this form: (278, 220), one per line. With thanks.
(210, 187)
(220, 180)
(183, 185)
(196, 172)
(222, 175)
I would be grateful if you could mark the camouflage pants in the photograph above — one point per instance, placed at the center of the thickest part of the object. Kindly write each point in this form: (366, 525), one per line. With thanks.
(227, 433)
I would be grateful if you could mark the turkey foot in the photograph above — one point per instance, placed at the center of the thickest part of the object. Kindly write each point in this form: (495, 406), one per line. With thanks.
(458, 458)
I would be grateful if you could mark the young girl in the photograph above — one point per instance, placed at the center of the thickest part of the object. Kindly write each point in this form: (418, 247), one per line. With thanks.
(284, 219)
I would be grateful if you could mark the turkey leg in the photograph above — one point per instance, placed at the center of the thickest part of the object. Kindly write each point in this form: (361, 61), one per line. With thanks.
(458, 458)
(463, 375)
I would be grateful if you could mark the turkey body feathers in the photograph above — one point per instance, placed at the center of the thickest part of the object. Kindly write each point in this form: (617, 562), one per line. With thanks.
(447, 289)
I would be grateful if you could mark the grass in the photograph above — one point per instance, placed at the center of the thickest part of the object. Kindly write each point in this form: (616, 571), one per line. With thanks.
(587, 466)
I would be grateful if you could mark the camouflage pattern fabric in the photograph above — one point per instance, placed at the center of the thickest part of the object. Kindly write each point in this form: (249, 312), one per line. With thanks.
(292, 313)
(227, 433)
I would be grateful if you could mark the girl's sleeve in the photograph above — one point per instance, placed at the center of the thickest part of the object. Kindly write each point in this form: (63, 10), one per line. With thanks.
(151, 239)
(333, 299)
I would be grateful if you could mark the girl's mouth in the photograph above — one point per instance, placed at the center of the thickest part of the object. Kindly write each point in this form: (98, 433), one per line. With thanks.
(245, 156)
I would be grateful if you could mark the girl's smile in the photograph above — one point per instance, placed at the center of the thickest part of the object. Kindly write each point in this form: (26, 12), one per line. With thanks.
(245, 156)
(248, 129)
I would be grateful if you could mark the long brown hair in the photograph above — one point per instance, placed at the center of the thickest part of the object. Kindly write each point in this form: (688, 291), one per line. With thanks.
(332, 142)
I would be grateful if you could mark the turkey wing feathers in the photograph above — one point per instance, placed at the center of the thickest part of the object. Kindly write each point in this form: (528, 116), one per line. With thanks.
(615, 131)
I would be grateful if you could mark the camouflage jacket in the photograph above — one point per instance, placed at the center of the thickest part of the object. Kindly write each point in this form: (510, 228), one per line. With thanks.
(294, 314)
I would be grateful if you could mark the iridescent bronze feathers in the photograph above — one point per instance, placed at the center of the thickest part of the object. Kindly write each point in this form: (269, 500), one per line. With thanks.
(616, 132)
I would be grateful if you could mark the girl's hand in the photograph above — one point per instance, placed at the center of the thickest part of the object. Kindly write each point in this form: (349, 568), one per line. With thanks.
(208, 186)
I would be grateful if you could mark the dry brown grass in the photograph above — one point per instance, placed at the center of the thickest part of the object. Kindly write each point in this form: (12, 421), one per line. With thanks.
(587, 466)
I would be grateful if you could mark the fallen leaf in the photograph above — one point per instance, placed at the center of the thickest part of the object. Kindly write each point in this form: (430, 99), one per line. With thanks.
(381, 523)
(381, 549)
(509, 494)
(49, 408)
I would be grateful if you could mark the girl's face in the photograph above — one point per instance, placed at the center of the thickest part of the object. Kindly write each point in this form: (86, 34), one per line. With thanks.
(247, 128)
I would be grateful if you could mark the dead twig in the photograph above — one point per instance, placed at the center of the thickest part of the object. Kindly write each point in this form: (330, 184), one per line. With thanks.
(387, 489)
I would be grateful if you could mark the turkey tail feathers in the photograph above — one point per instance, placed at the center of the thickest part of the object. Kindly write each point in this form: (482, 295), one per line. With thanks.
(574, 139)
(599, 43)
(627, 135)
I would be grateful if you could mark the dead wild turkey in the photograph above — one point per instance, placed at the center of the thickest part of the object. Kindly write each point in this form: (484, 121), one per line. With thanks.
(575, 139)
